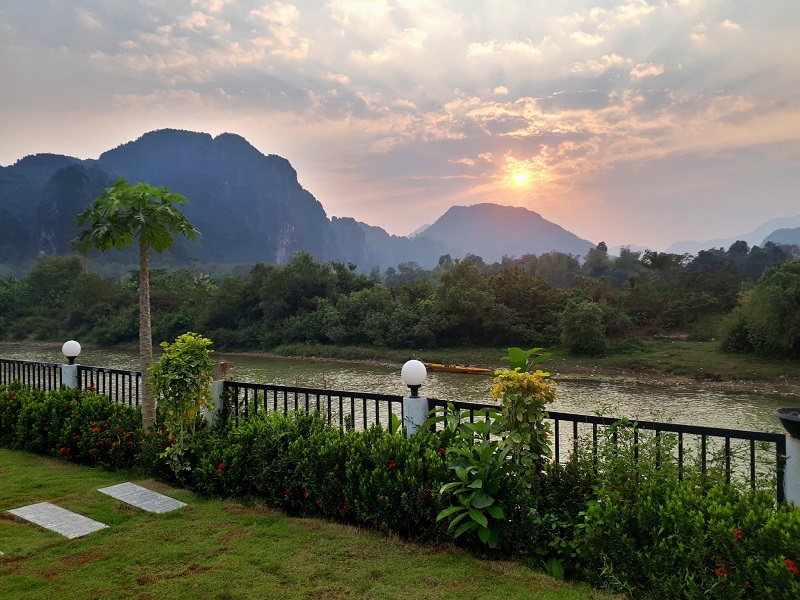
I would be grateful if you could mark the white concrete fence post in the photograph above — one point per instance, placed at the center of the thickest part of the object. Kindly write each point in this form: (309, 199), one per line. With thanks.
(415, 412)
(69, 376)
(215, 409)
(791, 473)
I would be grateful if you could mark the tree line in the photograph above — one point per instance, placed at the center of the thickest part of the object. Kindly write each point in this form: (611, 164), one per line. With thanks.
(601, 305)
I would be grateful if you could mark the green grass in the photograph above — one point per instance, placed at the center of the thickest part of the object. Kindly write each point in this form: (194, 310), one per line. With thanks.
(224, 550)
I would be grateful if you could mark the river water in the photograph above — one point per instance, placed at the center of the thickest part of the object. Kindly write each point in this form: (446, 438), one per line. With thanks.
(672, 403)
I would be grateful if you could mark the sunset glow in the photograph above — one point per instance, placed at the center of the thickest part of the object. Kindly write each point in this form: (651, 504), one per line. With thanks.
(623, 118)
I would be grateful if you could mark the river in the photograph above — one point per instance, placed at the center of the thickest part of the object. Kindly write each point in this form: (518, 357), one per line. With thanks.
(679, 404)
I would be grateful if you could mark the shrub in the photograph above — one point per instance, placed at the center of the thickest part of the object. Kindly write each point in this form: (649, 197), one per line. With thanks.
(180, 379)
(582, 330)
(76, 425)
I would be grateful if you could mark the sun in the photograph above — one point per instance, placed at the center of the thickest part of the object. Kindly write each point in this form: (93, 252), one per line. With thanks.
(521, 178)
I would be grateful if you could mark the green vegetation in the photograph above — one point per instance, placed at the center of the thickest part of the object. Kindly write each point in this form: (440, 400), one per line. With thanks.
(614, 310)
(768, 322)
(180, 380)
(624, 515)
(225, 550)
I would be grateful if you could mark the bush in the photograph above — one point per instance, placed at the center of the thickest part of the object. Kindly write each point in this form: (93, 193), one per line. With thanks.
(301, 465)
(582, 330)
(76, 425)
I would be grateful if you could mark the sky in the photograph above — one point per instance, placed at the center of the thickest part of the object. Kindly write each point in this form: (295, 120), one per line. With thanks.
(640, 122)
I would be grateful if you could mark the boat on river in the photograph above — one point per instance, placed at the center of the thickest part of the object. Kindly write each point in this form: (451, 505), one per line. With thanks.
(457, 369)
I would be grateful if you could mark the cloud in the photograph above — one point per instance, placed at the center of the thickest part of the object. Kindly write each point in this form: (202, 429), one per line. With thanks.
(595, 67)
(643, 70)
(586, 39)
(87, 19)
(212, 6)
(278, 13)
(477, 49)
(728, 24)
(698, 34)
(501, 90)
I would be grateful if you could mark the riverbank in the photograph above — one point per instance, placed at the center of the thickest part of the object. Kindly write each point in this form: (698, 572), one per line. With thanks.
(698, 365)
(692, 365)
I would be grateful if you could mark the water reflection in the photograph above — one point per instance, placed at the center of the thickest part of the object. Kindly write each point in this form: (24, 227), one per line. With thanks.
(665, 403)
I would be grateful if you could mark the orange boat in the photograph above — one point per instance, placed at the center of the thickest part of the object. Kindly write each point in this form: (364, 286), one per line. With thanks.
(457, 369)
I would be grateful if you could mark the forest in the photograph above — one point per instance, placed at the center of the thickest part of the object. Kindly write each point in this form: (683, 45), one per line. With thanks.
(744, 296)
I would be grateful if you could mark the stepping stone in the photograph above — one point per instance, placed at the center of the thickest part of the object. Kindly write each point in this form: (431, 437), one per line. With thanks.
(60, 520)
(141, 497)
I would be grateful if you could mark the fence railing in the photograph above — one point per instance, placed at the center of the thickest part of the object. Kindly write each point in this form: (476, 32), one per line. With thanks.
(119, 385)
(752, 455)
(37, 375)
(353, 410)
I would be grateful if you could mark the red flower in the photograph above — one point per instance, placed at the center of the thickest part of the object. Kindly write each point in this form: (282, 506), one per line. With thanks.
(737, 533)
(791, 566)
(77, 437)
(63, 451)
(319, 502)
(345, 506)
(392, 464)
(130, 443)
(442, 450)
(95, 430)
(719, 572)
(221, 466)
(305, 494)
(287, 492)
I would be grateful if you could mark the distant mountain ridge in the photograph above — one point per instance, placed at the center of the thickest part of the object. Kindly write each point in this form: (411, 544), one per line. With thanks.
(757, 237)
(492, 231)
(249, 207)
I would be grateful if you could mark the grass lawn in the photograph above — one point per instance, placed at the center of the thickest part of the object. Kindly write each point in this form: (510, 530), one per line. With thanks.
(224, 550)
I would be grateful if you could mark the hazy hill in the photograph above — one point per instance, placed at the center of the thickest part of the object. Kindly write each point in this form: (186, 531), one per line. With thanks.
(756, 237)
(790, 236)
(249, 207)
(492, 231)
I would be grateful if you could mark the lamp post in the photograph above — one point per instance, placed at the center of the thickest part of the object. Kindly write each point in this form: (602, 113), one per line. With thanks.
(71, 350)
(415, 408)
(69, 372)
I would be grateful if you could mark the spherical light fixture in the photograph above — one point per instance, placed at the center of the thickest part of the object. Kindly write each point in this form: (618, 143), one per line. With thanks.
(413, 375)
(71, 350)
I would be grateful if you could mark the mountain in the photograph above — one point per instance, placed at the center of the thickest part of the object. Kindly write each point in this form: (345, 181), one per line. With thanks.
(790, 236)
(249, 207)
(492, 231)
(756, 237)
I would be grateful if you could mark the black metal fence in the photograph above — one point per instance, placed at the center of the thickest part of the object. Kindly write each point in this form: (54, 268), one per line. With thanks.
(37, 375)
(119, 385)
(753, 455)
(353, 410)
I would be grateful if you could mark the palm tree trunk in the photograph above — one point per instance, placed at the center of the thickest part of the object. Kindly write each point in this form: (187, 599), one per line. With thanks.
(145, 338)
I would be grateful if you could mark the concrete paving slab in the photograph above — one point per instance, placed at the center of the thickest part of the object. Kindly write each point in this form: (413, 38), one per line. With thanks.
(141, 497)
(60, 520)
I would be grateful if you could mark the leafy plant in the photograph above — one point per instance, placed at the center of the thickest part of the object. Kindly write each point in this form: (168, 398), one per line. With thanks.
(525, 360)
(524, 396)
(480, 464)
(180, 379)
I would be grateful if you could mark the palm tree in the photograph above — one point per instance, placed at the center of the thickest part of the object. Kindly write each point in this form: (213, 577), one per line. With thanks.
(121, 215)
